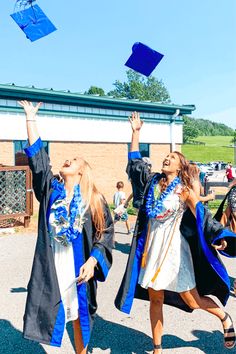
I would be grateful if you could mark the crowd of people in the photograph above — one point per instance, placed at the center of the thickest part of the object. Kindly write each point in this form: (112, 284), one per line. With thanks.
(174, 255)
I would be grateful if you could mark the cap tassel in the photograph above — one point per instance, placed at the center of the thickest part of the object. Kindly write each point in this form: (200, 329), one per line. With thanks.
(156, 274)
(144, 260)
(145, 252)
(159, 268)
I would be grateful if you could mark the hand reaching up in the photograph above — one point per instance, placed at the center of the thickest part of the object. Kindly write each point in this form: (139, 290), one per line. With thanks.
(30, 109)
(135, 121)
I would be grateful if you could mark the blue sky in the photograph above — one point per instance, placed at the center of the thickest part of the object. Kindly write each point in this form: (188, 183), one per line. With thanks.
(94, 40)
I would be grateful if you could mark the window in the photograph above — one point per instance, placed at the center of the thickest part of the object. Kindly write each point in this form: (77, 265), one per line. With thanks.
(143, 148)
(20, 157)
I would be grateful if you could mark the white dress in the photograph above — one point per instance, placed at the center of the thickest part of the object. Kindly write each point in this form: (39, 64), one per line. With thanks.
(168, 250)
(64, 263)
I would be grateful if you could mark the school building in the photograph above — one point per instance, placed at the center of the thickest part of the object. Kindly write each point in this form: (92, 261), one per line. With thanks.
(91, 126)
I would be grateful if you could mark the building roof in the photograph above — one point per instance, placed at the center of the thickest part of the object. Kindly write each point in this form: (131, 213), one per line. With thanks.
(13, 92)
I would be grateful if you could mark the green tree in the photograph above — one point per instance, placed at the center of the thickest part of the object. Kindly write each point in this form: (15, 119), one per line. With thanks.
(190, 131)
(94, 90)
(137, 86)
(234, 138)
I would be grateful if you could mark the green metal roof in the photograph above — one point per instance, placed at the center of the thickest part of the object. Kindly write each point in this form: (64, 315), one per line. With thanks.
(68, 98)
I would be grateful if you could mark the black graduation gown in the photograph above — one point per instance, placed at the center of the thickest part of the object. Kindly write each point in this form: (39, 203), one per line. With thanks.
(44, 319)
(200, 232)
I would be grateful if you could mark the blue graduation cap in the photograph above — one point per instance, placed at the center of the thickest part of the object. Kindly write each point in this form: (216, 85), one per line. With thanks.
(143, 59)
(33, 22)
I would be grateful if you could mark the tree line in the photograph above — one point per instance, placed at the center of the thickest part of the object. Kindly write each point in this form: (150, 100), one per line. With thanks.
(194, 127)
(151, 89)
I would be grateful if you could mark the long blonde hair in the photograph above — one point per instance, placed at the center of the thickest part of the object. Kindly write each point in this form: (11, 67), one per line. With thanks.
(92, 198)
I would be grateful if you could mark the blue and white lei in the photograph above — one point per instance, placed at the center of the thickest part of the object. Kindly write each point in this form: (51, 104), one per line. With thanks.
(155, 207)
(66, 221)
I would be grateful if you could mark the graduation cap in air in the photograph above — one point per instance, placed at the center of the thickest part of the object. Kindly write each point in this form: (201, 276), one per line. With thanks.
(143, 59)
(33, 22)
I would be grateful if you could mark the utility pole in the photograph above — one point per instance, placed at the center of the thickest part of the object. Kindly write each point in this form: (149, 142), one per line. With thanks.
(172, 129)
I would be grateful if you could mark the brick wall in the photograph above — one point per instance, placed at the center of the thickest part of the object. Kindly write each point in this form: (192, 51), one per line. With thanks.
(157, 154)
(7, 153)
(108, 162)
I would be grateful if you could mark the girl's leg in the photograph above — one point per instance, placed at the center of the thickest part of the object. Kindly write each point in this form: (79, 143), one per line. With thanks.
(156, 316)
(127, 226)
(195, 301)
(79, 346)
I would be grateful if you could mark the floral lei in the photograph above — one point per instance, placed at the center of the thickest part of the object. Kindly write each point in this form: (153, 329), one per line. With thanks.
(68, 224)
(155, 206)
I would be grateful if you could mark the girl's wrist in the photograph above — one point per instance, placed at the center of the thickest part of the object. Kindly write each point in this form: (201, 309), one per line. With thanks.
(31, 118)
(94, 260)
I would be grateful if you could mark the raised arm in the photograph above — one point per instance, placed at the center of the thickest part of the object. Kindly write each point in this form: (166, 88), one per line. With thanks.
(137, 170)
(38, 158)
(136, 125)
(197, 190)
(31, 124)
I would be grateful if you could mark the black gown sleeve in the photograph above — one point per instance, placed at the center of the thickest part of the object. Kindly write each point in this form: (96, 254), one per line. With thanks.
(102, 248)
(40, 166)
(138, 172)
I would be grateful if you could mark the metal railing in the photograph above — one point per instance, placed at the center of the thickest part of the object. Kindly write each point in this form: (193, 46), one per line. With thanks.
(208, 185)
(16, 197)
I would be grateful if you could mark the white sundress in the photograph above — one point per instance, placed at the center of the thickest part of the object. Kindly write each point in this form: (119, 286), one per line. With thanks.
(167, 248)
(64, 263)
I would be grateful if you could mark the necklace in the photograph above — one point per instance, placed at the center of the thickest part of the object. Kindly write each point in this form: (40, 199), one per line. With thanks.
(68, 216)
(155, 206)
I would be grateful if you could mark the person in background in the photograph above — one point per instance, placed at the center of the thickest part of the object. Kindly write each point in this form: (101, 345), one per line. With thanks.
(229, 218)
(162, 265)
(74, 245)
(119, 201)
(229, 173)
(232, 198)
(232, 206)
(197, 187)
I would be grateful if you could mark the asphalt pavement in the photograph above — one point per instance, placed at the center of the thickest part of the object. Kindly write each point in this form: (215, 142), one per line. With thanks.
(114, 332)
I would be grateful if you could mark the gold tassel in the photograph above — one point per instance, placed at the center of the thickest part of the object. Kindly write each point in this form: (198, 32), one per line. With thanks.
(158, 269)
(155, 275)
(144, 256)
(144, 260)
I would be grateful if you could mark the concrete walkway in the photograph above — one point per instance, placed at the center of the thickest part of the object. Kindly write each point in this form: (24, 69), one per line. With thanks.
(114, 332)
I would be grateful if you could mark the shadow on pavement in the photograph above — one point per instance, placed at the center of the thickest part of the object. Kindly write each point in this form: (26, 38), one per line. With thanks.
(70, 331)
(207, 342)
(11, 341)
(117, 338)
(232, 287)
(19, 290)
(121, 247)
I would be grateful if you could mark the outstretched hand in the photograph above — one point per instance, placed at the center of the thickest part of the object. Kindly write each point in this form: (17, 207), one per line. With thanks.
(135, 121)
(30, 109)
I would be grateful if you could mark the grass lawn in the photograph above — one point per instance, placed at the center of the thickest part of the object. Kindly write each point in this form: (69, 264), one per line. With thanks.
(215, 140)
(216, 148)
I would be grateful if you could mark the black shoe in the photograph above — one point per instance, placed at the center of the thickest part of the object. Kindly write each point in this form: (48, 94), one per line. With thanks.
(157, 346)
(230, 329)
